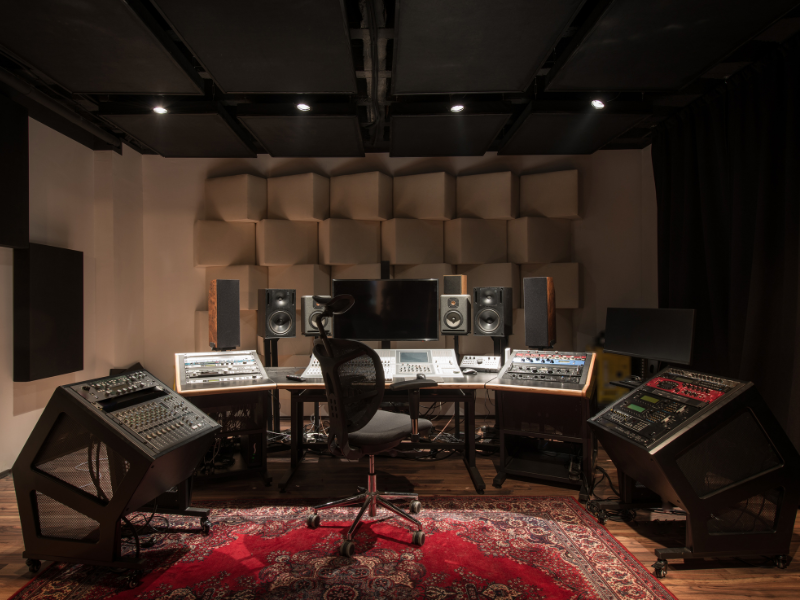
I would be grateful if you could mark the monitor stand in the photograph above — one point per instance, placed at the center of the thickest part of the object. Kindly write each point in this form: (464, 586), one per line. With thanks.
(500, 345)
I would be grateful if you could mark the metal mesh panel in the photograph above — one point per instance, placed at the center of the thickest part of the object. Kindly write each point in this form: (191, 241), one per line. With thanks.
(736, 451)
(756, 514)
(57, 520)
(76, 457)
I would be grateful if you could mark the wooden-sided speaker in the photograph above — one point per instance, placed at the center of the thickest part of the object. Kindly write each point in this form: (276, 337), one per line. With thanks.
(540, 311)
(223, 314)
(276, 314)
(455, 285)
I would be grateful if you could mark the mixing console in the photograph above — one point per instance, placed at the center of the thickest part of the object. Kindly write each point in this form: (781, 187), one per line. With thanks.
(199, 371)
(546, 369)
(648, 414)
(434, 364)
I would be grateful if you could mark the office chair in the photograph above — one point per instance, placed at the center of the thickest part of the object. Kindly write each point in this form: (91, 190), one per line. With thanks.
(354, 385)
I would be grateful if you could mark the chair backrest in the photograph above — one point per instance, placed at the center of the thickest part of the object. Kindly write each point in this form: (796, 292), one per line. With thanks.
(354, 384)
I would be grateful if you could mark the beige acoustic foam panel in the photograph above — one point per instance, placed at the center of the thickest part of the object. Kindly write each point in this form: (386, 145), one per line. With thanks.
(488, 196)
(347, 242)
(300, 362)
(280, 242)
(362, 197)
(221, 244)
(429, 196)
(369, 271)
(236, 198)
(251, 279)
(432, 271)
(553, 195)
(305, 280)
(303, 197)
(300, 344)
(248, 320)
(412, 241)
(475, 241)
(494, 275)
(566, 279)
(539, 240)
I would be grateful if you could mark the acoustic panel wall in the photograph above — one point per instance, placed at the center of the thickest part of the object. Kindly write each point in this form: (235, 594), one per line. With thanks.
(430, 196)
(236, 198)
(221, 244)
(280, 242)
(303, 197)
(362, 196)
(48, 312)
(346, 242)
(553, 195)
(488, 196)
(412, 241)
(251, 278)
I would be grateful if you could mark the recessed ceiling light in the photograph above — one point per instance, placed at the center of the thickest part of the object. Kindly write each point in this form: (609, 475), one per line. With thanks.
(598, 104)
(303, 107)
(457, 108)
(160, 110)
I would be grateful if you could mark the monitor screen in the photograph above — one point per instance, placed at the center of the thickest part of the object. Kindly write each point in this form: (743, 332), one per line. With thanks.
(663, 334)
(388, 309)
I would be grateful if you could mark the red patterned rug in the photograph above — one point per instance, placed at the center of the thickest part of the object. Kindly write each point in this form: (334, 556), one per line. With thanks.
(476, 548)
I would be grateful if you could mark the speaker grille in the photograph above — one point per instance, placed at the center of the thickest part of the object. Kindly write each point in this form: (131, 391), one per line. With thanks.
(488, 320)
(736, 451)
(72, 455)
(756, 514)
(280, 322)
(57, 520)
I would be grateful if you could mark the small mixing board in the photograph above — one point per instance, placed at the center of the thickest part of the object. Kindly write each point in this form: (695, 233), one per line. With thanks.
(203, 371)
(546, 369)
(437, 365)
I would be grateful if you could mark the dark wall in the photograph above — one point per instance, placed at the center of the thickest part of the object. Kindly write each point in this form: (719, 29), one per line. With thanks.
(13, 174)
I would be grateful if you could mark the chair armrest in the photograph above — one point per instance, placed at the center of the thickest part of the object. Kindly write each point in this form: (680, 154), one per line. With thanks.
(412, 384)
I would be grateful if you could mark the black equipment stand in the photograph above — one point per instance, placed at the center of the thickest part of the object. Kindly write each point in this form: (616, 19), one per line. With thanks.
(271, 360)
(500, 345)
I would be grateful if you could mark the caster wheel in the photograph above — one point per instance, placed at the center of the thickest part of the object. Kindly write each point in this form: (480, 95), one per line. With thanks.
(415, 507)
(134, 580)
(781, 561)
(33, 565)
(418, 538)
(629, 516)
(312, 522)
(660, 569)
(602, 517)
(660, 573)
(347, 548)
(205, 526)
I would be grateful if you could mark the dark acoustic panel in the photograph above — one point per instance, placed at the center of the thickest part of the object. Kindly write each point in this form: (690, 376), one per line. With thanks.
(184, 136)
(297, 46)
(48, 312)
(92, 46)
(638, 46)
(455, 46)
(568, 133)
(444, 135)
(540, 312)
(223, 314)
(307, 136)
(13, 174)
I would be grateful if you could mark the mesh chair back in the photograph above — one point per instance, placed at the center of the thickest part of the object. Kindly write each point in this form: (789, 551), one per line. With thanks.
(354, 385)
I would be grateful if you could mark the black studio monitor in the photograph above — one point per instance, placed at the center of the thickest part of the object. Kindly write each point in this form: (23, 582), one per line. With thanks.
(276, 314)
(309, 310)
(540, 312)
(492, 311)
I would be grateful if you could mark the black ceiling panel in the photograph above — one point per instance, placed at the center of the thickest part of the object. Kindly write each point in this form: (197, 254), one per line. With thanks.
(464, 46)
(184, 136)
(568, 133)
(92, 46)
(660, 44)
(267, 46)
(444, 135)
(307, 136)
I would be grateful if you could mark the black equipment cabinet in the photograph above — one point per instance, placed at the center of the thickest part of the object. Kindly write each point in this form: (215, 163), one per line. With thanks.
(103, 449)
(720, 455)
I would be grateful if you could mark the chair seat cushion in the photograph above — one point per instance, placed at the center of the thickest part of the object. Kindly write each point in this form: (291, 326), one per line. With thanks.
(383, 431)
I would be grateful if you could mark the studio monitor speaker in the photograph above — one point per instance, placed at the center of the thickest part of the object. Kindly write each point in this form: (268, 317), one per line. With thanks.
(276, 314)
(309, 309)
(223, 314)
(540, 312)
(455, 285)
(454, 311)
(492, 311)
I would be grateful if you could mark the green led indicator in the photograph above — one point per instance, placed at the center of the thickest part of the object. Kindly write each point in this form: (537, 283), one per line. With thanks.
(635, 407)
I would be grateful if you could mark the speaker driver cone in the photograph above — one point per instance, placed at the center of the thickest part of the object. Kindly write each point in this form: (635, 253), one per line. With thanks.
(453, 319)
(280, 322)
(488, 320)
(312, 320)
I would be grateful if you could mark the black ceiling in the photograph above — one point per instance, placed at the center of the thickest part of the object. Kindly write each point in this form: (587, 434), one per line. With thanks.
(379, 75)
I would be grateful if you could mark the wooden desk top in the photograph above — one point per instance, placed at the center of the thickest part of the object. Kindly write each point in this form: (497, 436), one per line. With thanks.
(278, 375)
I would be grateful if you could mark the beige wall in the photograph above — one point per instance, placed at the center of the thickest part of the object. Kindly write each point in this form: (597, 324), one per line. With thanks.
(91, 202)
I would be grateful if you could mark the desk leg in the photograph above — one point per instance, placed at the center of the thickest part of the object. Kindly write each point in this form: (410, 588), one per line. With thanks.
(469, 442)
(457, 417)
(263, 398)
(276, 411)
(589, 446)
(500, 478)
(296, 441)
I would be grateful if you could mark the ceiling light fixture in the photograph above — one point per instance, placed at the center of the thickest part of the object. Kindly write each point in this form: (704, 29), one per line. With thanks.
(457, 108)
(160, 110)
(598, 104)
(303, 107)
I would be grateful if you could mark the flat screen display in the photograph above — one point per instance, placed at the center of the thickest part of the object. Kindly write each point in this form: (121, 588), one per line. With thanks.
(388, 309)
(663, 334)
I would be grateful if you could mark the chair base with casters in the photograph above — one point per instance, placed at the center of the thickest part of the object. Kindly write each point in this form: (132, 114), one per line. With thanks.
(370, 499)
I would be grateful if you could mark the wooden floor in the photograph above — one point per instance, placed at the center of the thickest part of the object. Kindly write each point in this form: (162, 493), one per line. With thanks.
(707, 579)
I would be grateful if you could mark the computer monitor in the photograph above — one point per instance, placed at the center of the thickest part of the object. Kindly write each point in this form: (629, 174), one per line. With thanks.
(662, 334)
(388, 309)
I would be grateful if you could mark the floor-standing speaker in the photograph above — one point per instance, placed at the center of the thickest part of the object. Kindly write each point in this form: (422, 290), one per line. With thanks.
(492, 311)
(540, 311)
(455, 314)
(309, 309)
(276, 314)
(223, 314)
(455, 285)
